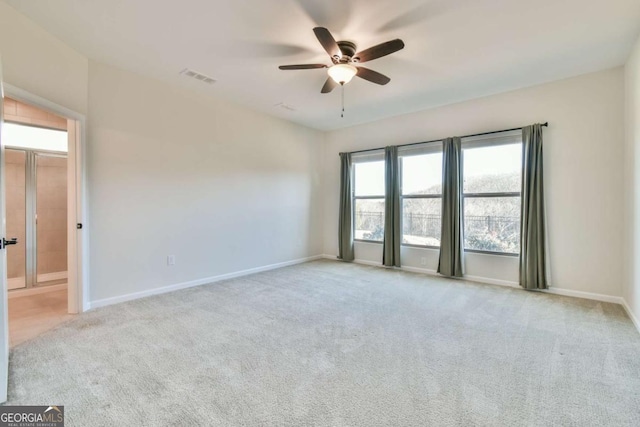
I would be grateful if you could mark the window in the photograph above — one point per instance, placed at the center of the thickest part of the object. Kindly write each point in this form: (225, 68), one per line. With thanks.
(492, 174)
(23, 136)
(368, 200)
(421, 189)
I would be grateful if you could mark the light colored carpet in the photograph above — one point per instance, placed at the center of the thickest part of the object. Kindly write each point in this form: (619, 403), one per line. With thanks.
(334, 344)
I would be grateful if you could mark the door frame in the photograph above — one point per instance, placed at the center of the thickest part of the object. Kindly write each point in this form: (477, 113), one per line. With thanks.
(77, 197)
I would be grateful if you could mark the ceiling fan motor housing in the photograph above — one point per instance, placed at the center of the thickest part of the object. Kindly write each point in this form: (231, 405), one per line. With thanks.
(348, 49)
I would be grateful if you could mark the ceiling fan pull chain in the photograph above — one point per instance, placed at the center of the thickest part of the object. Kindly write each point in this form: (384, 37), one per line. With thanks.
(342, 113)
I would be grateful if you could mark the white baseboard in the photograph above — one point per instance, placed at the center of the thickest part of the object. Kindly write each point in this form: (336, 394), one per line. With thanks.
(35, 291)
(585, 295)
(213, 279)
(631, 315)
(365, 262)
(199, 282)
(420, 270)
(490, 281)
(499, 282)
(58, 275)
(552, 290)
(430, 272)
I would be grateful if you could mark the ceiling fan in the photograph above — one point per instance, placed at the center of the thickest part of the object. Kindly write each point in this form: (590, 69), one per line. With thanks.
(344, 58)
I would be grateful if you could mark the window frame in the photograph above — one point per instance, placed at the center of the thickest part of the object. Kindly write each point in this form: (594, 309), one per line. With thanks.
(376, 157)
(506, 138)
(433, 148)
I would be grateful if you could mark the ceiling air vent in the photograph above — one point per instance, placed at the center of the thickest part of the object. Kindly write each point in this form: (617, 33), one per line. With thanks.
(198, 76)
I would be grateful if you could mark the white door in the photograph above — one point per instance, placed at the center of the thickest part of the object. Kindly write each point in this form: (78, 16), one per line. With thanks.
(4, 319)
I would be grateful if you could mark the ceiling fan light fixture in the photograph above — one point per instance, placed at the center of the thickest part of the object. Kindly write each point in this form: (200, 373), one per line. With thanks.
(342, 73)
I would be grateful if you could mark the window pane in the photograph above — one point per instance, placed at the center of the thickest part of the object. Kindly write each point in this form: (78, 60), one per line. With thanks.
(492, 224)
(23, 136)
(421, 221)
(369, 219)
(492, 169)
(369, 178)
(422, 174)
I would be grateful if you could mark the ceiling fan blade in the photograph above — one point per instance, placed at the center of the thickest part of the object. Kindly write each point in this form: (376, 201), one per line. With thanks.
(372, 76)
(328, 42)
(380, 50)
(329, 85)
(302, 67)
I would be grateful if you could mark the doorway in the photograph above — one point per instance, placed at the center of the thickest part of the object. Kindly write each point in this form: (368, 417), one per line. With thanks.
(39, 216)
(36, 198)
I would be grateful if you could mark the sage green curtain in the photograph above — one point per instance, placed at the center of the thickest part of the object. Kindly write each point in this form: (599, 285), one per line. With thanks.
(345, 222)
(392, 221)
(533, 227)
(451, 239)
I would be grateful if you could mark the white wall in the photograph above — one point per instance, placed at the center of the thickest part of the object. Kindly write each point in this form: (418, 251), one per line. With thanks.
(173, 172)
(632, 181)
(222, 188)
(583, 174)
(37, 62)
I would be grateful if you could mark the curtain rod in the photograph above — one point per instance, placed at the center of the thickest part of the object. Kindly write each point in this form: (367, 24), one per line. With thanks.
(438, 140)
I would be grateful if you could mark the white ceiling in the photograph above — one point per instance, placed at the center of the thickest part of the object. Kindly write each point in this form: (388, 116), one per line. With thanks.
(455, 49)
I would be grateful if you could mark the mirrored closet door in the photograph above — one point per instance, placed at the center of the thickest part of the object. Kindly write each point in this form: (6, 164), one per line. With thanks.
(36, 210)
(36, 217)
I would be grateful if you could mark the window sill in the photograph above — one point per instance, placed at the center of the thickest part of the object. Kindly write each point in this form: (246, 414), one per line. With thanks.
(409, 245)
(378, 242)
(505, 254)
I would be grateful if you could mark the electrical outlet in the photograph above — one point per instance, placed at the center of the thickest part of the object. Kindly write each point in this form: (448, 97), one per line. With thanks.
(423, 261)
(171, 260)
